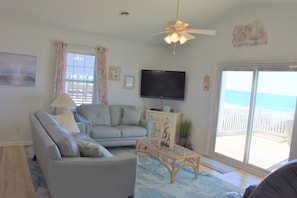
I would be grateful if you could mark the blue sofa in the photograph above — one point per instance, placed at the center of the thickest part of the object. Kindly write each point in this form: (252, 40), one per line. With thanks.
(70, 172)
(113, 125)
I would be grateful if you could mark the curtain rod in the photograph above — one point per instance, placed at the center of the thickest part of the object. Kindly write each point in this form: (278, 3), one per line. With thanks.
(85, 46)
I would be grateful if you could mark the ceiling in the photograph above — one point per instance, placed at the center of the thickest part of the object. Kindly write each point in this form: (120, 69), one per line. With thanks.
(102, 17)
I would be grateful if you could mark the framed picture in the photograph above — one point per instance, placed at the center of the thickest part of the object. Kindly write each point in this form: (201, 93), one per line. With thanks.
(114, 73)
(166, 138)
(129, 82)
(17, 69)
(166, 108)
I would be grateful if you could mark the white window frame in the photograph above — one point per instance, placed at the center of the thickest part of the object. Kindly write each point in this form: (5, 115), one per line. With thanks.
(83, 93)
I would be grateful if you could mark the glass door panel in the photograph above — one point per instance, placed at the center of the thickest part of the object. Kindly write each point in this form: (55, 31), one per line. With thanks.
(233, 114)
(273, 119)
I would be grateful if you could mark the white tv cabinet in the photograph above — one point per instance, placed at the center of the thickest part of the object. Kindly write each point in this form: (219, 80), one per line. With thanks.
(162, 120)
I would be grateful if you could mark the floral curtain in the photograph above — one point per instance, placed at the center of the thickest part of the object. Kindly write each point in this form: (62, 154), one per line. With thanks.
(60, 69)
(100, 84)
(100, 76)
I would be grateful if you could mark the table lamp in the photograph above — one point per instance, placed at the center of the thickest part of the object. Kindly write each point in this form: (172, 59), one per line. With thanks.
(64, 103)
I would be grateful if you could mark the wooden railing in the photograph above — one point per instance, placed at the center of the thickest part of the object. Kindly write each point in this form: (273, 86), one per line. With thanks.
(234, 121)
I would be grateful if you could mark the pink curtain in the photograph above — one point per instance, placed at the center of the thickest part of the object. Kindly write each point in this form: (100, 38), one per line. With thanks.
(100, 84)
(100, 79)
(60, 69)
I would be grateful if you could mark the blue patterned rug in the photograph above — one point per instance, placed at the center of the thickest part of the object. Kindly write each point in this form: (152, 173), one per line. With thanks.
(153, 180)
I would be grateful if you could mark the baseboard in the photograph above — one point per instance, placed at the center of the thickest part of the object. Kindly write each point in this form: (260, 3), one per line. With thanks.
(28, 142)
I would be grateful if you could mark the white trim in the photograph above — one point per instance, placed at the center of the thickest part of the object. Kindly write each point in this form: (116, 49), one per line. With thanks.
(26, 142)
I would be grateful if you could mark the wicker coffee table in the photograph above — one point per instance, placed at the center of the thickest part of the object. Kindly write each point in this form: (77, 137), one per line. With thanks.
(174, 159)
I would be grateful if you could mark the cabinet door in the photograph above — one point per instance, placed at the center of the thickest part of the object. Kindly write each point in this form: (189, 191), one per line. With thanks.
(156, 129)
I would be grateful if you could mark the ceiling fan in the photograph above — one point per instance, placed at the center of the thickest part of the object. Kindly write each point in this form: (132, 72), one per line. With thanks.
(179, 31)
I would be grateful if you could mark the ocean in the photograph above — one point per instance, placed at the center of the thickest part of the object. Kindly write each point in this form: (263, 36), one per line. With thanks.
(275, 102)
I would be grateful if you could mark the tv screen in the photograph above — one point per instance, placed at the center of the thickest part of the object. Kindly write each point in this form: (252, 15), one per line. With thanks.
(163, 84)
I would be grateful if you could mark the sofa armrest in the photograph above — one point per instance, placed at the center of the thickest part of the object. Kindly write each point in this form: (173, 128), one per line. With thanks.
(94, 177)
(83, 124)
(148, 125)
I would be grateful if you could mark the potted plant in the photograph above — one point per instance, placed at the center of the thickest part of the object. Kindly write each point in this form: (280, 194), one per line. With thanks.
(184, 131)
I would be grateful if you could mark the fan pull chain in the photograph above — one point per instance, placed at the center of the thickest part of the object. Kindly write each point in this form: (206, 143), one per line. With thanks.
(174, 47)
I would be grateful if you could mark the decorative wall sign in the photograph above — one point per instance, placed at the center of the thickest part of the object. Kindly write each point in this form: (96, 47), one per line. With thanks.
(114, 73)
(250, 34)
(17, 69)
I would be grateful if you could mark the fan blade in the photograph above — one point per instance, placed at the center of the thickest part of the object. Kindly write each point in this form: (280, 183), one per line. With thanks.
(163, 32)
(201, 31)
(170, 28)
(188, 36)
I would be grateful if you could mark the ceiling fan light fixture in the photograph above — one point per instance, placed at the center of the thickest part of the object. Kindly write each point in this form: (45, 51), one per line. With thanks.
(174, 37)
(182, 39)
(179, 31)
(167, 39)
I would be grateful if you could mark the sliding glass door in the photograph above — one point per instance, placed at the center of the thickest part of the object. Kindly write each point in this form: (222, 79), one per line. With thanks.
(256, 114)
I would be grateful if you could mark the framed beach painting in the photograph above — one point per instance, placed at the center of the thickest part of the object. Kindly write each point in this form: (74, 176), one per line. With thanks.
(17, 69)
(129, 82)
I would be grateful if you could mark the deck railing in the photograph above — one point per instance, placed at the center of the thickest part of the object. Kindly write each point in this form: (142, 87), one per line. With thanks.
(234, 121)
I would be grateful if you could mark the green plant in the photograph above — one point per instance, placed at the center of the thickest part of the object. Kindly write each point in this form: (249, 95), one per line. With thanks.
(184, 129)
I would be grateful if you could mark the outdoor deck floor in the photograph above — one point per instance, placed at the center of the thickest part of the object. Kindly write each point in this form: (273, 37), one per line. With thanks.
(267, 151)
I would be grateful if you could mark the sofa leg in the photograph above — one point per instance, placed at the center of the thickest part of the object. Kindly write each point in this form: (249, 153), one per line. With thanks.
(34, 158)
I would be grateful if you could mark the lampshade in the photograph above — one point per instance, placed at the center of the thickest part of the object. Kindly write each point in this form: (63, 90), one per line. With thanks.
(182, 39)
(63, 101)
(167, 39)
(175, 37)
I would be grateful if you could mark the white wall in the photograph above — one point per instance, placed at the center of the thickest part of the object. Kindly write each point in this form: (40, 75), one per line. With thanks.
(200, 57)
(17, 102)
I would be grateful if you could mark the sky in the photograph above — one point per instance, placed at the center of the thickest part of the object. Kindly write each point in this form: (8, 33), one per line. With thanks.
(280, 82)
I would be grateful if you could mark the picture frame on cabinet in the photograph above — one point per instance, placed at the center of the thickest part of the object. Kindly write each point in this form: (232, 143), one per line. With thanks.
(166, 108)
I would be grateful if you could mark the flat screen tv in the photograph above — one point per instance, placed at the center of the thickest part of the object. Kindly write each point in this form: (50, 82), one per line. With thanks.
(163, 84)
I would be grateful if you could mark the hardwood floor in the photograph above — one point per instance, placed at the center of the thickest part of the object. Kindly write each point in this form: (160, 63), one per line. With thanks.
(15, 178)
(239, 178)
(16, 181)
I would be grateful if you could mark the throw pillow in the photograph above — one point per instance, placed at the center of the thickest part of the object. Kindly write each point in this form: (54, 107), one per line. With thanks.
(67, 121)
(116, 114)
(131, 116)
(92, 149)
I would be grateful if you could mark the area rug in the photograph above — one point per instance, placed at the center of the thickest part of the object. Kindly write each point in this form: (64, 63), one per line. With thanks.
(216, 165)
(153, 180)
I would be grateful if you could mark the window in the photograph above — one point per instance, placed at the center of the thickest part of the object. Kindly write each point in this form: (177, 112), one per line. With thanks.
(256, 112)
(79, 78)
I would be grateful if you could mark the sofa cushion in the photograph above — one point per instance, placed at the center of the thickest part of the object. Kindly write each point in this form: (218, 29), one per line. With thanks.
(105, 132)
(131, 116)
(116, 113)
(67, 121)
(64, 140)
(97, 114)
(92, 149)
(132, 131)
(45, 118)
